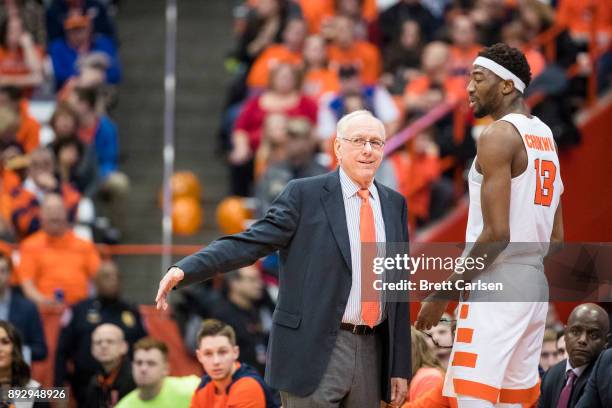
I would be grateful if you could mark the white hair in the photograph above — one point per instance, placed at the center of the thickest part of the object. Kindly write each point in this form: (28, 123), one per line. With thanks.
(346, 119)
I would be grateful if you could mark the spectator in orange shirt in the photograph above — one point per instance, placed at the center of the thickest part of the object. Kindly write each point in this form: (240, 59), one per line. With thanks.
(464, 48)
(20, 59)
(227, 383)
(581, 15)
(435, 85)
(40, 182)
(347, 50)
(318, 78)
(426, 368)
(56, 265)
(428, 377)
(28, 134)
(289, 52)
(319, 13)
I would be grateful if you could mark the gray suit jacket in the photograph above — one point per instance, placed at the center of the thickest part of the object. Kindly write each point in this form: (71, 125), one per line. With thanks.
(307, 225)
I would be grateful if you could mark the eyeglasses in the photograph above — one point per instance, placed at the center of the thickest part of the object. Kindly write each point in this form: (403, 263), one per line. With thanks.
(360, 142)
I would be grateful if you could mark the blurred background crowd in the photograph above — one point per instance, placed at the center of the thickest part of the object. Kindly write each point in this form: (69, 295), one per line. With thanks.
(295, 68)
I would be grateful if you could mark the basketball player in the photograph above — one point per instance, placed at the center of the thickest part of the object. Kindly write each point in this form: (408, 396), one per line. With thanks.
(515, 188)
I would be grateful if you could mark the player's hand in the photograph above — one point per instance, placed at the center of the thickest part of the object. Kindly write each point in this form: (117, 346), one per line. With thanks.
(430, 314)
(399, 389)
(170, 280)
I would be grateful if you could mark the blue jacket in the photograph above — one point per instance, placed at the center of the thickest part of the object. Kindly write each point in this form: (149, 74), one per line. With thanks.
(23, 314)
(106, 144)
(64, 59)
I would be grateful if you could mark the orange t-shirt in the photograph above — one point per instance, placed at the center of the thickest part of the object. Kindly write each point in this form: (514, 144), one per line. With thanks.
(316, 11)
(28, 135)
(461, 59)
(424, 379)
(67, 263)
(579, 15)
(273, 55)
(432, 399)
(365, 56)
(244, 393)
(320, 81)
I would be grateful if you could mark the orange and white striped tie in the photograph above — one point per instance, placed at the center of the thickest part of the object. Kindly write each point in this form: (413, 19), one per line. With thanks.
(370, 310)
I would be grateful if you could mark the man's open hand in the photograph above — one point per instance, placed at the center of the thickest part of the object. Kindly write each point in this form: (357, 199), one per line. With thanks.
(169, 281)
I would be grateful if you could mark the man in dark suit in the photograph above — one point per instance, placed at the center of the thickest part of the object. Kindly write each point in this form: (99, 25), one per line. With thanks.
(328, 347)
(586, 335)
(22, 313)
(598, 391)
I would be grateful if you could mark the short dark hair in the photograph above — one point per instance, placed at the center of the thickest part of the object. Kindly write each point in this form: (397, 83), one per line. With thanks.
(148, 343)
(510, 58)
(87, 95)
(214, 327)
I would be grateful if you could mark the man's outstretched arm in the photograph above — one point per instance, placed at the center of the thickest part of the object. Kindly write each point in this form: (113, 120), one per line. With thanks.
(228, 253)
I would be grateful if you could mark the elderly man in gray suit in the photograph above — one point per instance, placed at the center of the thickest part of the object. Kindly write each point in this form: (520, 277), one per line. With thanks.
(328, 346)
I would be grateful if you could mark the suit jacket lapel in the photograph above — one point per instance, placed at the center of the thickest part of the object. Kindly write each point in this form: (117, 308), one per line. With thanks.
(387, 214)
(333, 203)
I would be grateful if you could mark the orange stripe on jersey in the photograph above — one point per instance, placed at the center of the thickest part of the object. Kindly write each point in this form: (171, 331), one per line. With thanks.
(476, 389)
(464, 335)
(463, 314)
(465, 359)
(523, 396)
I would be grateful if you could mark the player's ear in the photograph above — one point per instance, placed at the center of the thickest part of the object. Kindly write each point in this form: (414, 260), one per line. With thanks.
(507, 87)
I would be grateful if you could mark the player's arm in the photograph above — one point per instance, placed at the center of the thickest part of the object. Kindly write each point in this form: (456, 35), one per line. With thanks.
(496, 148)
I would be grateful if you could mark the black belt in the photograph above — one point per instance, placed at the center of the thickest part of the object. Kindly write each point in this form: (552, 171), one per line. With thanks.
(360, 329)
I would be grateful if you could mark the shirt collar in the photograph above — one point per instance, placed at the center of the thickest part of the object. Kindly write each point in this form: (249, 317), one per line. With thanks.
(578, 370)
(350, 188)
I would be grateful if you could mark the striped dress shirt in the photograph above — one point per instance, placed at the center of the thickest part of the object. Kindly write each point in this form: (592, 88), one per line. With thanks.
(352, 205)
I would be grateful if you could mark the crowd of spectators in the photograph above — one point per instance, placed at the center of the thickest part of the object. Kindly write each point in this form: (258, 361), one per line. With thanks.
(318, 60)
(59, 71)
(298, 66)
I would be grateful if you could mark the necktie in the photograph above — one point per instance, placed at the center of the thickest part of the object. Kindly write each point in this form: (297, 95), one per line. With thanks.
(566, 392)
(370, 310)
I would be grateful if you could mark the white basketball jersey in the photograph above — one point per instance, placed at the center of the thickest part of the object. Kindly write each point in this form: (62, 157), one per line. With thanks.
(535, 193)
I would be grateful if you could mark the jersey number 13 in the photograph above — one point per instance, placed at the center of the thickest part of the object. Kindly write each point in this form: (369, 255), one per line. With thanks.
(546, 171)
